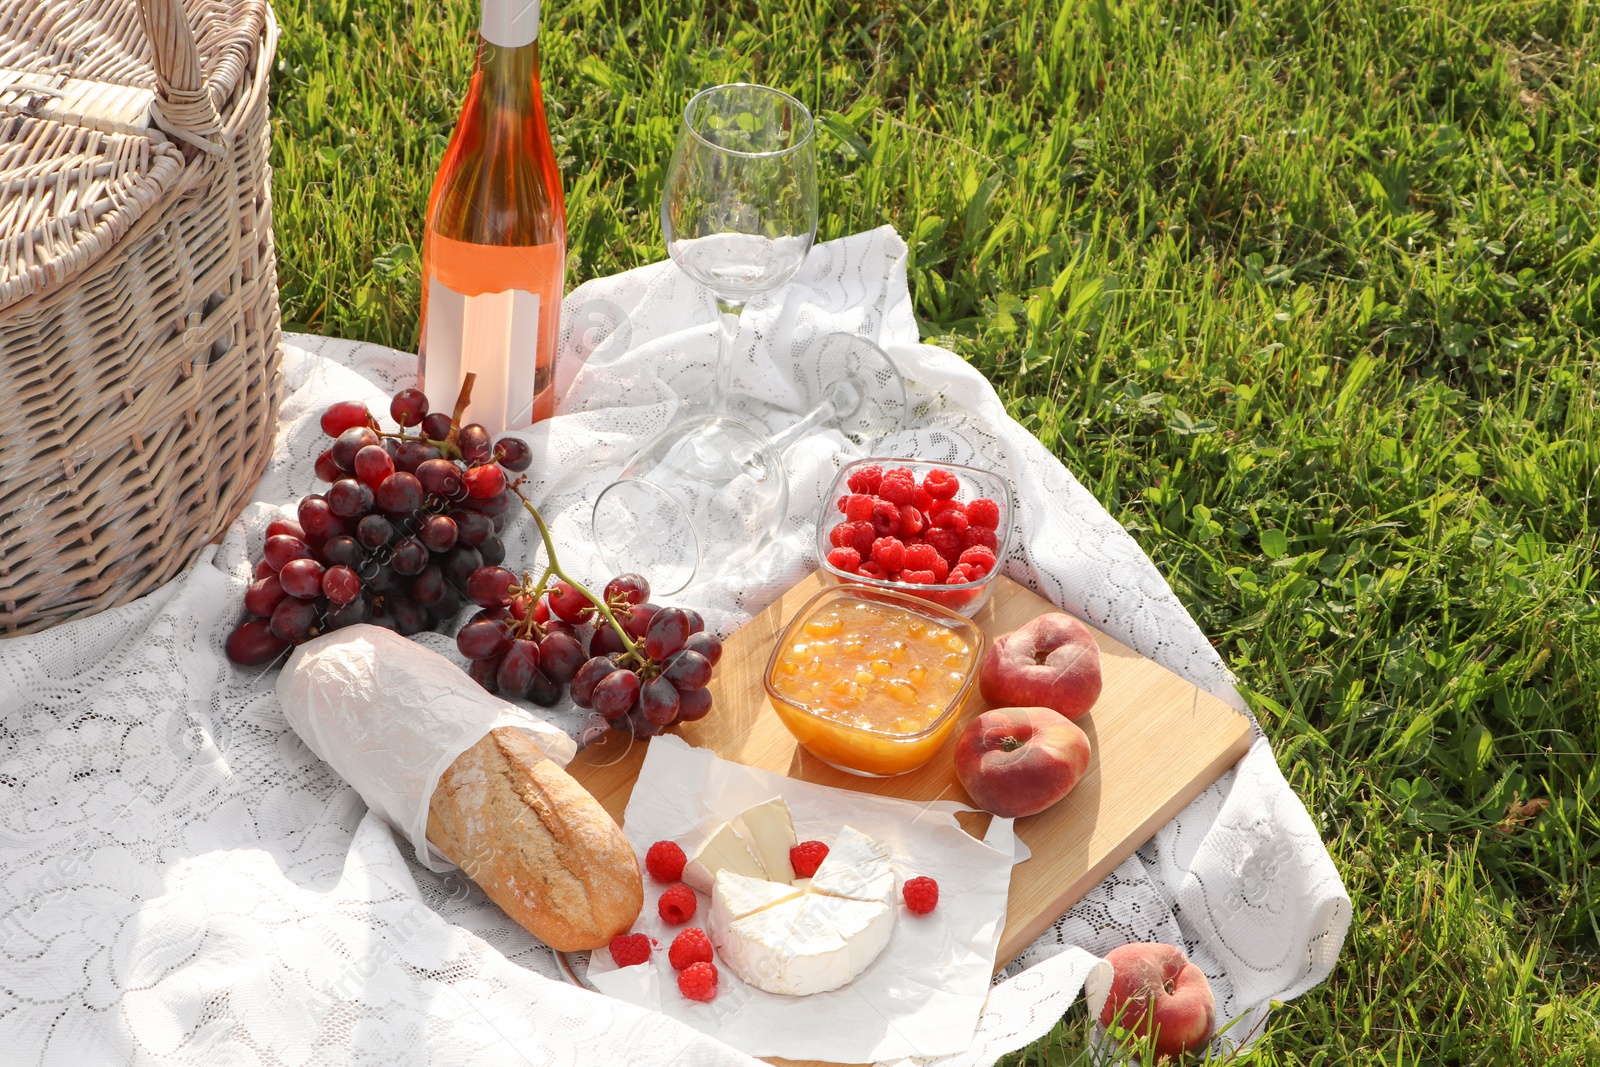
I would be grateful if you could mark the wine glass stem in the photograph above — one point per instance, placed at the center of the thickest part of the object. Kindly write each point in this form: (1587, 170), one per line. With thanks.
(817, 416)
(728, 312)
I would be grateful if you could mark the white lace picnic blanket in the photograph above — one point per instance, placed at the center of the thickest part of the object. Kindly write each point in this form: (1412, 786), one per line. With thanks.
(184, 882)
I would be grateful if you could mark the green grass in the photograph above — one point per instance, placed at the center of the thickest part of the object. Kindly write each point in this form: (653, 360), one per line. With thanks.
(1304, 293)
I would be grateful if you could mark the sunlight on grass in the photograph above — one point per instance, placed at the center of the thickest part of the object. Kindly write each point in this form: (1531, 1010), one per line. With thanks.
(1305, 294)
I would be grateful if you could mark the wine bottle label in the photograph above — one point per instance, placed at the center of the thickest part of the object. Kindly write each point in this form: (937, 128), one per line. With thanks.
(510, 23)
(494, 311)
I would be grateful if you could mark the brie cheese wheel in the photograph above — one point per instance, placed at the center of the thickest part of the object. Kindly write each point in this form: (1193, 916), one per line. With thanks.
(724, 850)
(769, 830)
(815, 934)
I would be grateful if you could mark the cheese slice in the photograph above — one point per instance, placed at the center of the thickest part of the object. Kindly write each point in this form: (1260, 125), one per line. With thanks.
(733, 896)
(724, 850)
(768, 829)
(856, 868)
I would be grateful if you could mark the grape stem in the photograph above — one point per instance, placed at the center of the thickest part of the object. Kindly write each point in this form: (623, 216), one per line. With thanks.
(634, 651)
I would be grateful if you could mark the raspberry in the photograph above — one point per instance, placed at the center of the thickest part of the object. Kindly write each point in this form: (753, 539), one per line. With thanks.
(846, 559)
(922, 500)
(665, 861)
(941, 485)
(922, 894)
(885, 518)
(977, 535)
(699, 981)
(955, 520)
(858, 508)
(865, 480)
(690, 946)
(842, 503)
(677, 905)
(837, 535)
(921, 556)
(979, 554)
(897, 488)
(806, 857)
(918, 577)
(910, 521)
(959, 574)
(984, 512)
(946, 542)
(889, 553)
(860, 537)
(869, 569)
(940, 569)
(629, 949)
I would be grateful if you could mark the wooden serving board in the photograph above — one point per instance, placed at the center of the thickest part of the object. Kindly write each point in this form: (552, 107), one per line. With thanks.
(1157, 742)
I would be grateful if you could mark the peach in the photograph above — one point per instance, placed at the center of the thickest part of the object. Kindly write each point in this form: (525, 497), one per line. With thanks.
(1051, 662)
(1019, 761)
(1155, 990)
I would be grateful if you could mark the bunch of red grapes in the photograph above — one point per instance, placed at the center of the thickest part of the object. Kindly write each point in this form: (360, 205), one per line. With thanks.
(642, 666)
(406, 521)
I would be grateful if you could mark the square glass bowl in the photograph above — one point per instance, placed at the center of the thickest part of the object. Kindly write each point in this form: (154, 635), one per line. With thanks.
(873, 681)
(963, 597)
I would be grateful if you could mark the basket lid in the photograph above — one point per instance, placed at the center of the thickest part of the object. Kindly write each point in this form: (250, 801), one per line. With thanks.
(68, 194)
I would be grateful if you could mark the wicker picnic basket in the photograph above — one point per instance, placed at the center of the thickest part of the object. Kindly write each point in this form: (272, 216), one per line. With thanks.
(139, 339)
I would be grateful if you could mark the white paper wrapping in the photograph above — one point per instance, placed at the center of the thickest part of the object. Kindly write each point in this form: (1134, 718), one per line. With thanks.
(391, 717)
(921, 997)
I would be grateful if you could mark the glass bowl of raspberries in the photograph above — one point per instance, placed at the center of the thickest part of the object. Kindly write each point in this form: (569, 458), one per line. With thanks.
(937, 531)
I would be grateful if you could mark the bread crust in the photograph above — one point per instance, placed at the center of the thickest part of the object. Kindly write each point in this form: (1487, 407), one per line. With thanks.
(536, 842)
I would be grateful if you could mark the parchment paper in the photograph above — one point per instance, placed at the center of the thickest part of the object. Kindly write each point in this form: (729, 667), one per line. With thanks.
(921, 997)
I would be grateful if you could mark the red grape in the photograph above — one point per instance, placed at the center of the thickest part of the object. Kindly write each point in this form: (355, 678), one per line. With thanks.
(288, 527)
(708, 645)
(408, 407)
(318, 519)
(638, 620)
(349, 614)
(493, 551)
(263, 596)
(399, 494)
(441, 477)
(428, 586)
(517, 667)
(687, 670)
(293, 620)
(381, 577)
(340, 585)
(262, 569)
(696, 623)
(485, 481)
(374, 531)
(436, 426)
(614, 694)
(488, 505)
(459, 563)
(253, 643)
(302, 578)
(658, 700)
(439, 533)
(591, 672)
(349, 443)
(373, 465)
(490, 586)
(541, 609)
(544, 690)
(605, 640)
(343, 551)
(569, 604)
(561, 655)
(473, 440)
(484, 638)
(513, 454)
(413, 454)
(409, 557)
(472, 528)
(484, 671)
(629, 588)
(343, 416)
(640, 726)
(349, 499)
(693, 704)
(409, 616)
(282, 548)
(666, 634)
(326, 468)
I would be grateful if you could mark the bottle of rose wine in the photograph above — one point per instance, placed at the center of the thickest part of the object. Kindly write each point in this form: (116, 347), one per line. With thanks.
(495, 246)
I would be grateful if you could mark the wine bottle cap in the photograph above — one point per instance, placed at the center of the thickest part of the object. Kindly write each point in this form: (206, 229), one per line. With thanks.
(510, 23)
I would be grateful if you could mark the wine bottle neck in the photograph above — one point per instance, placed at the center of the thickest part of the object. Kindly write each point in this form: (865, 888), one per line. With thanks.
(510, 23)
(510, 76)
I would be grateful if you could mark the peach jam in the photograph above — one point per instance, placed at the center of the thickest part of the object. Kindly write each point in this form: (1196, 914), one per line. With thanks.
(871, 681)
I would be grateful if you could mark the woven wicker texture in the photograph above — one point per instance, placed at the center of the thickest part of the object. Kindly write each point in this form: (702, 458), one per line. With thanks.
(139, 340)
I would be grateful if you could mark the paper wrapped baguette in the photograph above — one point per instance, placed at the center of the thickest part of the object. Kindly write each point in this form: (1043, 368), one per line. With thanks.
(470, 779)
(536, 842)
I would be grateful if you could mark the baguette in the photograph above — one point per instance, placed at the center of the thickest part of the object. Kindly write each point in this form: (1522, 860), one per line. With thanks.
(536, 842)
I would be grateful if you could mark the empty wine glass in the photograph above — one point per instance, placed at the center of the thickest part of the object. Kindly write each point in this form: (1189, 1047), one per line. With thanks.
(739, 210)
